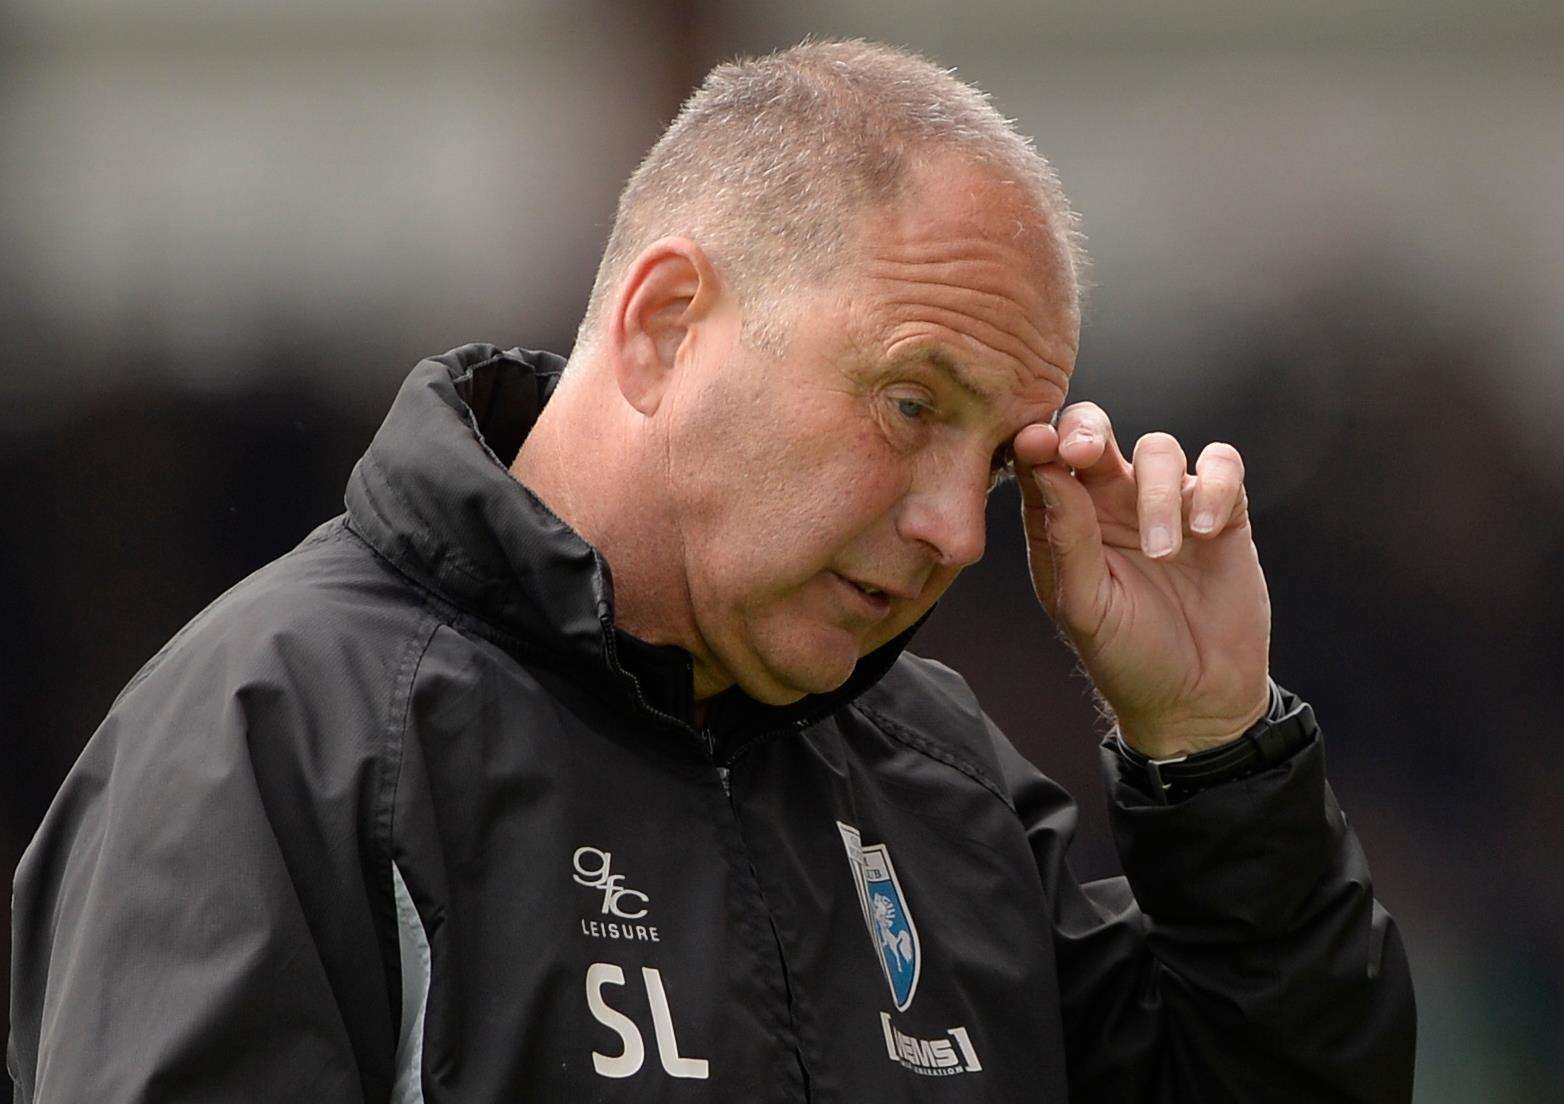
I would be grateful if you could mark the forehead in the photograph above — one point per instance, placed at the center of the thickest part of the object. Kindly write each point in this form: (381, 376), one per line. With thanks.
(963, 265)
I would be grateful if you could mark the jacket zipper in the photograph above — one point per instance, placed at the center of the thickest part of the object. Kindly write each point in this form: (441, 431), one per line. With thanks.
(724, 772)
(725, 777)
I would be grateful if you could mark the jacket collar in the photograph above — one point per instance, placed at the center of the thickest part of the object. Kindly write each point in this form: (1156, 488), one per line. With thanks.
(434, 496)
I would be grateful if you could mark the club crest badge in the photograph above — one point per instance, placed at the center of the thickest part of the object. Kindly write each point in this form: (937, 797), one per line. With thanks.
(885, 914)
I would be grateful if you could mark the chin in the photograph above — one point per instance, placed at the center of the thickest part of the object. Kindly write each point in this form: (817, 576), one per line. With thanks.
(786, 671)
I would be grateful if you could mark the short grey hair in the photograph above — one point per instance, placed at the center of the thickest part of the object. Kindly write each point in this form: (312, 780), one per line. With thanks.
(769, 164)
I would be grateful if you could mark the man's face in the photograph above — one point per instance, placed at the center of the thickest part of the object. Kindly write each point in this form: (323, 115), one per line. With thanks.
(829, 496)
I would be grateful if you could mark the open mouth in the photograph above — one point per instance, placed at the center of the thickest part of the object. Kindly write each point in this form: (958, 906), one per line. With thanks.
(872, 597)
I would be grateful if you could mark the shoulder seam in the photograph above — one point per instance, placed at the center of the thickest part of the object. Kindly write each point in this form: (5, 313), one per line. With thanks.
(456, 616)
(923, 745)
(400, 710)
(382, 836)
(453, 555)
(453, 613)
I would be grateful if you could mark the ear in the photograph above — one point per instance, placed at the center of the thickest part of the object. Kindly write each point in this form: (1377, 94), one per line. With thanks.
(668, 290)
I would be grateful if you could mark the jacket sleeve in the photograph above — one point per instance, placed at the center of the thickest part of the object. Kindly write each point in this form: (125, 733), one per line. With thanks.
(1242, 958)
(191, 920)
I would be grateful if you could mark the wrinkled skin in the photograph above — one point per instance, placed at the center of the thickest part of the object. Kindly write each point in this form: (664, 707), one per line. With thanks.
(854, 455)
(755, 490)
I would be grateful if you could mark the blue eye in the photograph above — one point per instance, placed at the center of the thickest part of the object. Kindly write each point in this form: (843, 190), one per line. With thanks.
(911, 408)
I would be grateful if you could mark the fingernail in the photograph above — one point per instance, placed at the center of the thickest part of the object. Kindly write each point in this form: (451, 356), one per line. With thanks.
(1159, 542)
(1049, 498)
(1081, 437)
(1203, 522)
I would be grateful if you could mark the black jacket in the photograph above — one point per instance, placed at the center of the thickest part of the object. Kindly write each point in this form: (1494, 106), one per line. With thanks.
(403, 816)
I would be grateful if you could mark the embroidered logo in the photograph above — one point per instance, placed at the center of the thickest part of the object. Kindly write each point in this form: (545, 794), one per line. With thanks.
(930, 1057)
(594, 869)
(885, 914)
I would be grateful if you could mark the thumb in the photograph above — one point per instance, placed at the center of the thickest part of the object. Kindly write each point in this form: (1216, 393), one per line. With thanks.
(1064, 548)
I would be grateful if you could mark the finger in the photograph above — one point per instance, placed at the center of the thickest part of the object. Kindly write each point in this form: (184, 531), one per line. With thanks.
(1064, 544)
(1036, 444)
(1160, 469)
(1219, 488)
(1087, 444)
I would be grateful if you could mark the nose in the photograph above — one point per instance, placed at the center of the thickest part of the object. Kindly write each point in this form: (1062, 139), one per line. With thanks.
(947, 514)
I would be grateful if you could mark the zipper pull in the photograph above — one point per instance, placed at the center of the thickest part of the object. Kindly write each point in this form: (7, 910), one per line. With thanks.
(723, 773)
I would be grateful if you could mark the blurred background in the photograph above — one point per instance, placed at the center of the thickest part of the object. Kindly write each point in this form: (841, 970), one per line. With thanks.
(1331, 233)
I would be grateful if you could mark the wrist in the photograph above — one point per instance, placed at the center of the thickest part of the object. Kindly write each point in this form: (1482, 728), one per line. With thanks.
(1174, 740)
(1287, 727)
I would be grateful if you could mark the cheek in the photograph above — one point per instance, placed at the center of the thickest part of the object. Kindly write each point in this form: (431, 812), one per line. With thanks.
(791, 525)
(849, 493)
(771, 494)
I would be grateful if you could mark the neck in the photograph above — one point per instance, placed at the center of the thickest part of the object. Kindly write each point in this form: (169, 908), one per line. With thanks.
(617, 502)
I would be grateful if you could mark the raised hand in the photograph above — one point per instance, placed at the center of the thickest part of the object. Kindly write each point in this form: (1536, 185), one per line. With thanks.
(1152, 575)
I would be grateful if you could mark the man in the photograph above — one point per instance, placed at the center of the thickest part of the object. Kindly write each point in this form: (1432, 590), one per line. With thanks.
(581, 758)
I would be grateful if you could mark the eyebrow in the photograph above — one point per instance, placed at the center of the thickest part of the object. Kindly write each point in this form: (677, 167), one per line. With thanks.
(956, 373)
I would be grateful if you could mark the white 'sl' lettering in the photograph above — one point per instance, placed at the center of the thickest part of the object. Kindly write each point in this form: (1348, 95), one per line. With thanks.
(662, 1020)
(628, 1062)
